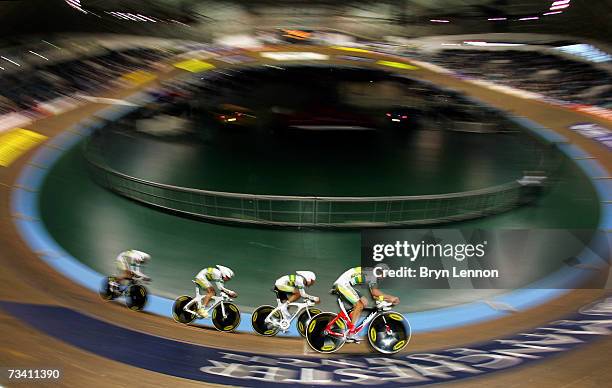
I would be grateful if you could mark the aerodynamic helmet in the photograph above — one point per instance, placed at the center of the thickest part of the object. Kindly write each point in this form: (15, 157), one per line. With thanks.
(225, 272)
(309, 276)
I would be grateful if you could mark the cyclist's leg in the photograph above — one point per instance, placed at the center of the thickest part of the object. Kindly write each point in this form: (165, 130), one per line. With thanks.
(123, 275)
(358, 308)
(281, 295)
(288, 293)
(210, 292)
(352, 296)
(294, 296)
(123, 271)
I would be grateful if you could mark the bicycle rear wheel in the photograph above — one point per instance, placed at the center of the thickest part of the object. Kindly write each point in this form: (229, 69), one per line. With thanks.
(258, 320)
(178, 310)
(105, 290)
(321, 341)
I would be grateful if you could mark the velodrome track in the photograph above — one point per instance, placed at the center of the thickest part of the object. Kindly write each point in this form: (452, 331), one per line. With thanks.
(38, 337)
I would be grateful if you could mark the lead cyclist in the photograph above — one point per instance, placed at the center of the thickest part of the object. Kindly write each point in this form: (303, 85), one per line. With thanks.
(345, 284)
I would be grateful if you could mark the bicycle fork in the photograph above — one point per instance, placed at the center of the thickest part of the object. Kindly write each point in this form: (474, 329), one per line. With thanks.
(223, 310)
(387, 327)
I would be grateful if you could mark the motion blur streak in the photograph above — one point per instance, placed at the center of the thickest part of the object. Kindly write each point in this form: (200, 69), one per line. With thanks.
(17, 142)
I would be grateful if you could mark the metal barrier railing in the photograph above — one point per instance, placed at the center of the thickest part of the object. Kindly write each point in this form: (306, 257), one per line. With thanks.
(315, 211)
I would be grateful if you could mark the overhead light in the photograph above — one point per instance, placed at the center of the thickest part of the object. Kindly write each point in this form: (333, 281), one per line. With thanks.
(148, 18)
(76, 4)
(51, 44)
(439, 21)
(492, 44)
(496, 19)
(274, 67)
(294, 56)
(38, 55)
(181, 23)
(552, 13)
(530, 18)
(118, 15)
(11, 61)
(560, 2)
(557, 7)
(132, 16)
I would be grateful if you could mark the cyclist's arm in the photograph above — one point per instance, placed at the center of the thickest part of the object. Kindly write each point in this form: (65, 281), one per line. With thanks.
(377, 295)
(299, 284)
(221, 287)
(135, 268)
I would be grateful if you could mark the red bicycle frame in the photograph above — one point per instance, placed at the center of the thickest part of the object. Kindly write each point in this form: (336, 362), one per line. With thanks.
(345, 317)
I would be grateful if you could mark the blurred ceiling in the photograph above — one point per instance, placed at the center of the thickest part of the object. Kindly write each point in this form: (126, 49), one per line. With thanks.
(204, 18)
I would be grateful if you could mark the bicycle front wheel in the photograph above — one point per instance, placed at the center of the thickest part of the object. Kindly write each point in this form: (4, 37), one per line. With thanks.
(136, 297)
(230, 321)
(304, 318)
(389, 333)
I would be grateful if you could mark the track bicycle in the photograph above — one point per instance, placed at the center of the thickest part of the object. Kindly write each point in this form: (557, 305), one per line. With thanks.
(134, 292)
(268, 320)
(224, 314)
(387, 331)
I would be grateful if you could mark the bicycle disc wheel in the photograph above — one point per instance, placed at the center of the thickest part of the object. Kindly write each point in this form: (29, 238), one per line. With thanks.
(105, 290)
(389, 333)
(231, 320)
(136, 297)
(324, 342)
(178, 310)
(304, 318)
(258, 320)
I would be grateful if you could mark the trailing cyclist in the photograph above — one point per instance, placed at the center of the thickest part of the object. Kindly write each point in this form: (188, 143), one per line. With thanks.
(129, 265)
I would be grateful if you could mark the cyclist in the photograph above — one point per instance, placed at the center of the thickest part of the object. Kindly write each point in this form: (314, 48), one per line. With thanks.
(205, 279)
(128, 264)
(344, 285)
(290, 288)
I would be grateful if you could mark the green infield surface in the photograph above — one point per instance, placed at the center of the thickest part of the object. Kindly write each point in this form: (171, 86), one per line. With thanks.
(94, 225)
